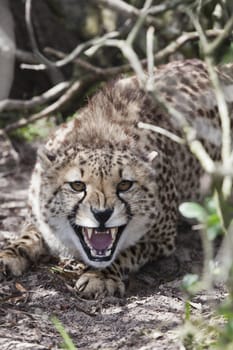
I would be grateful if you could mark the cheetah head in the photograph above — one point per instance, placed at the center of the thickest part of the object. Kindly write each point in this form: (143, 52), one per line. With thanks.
(96, 204)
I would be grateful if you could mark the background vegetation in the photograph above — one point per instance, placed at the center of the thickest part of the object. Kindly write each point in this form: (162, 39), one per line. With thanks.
(52, 44)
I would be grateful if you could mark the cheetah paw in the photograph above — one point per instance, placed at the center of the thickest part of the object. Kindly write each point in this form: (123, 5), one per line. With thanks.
(11, 264)
(96, 284)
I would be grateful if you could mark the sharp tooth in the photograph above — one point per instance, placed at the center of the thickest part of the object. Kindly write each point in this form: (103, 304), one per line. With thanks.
(89, 232)
(113, 231)
(93, 252)
(108, 252)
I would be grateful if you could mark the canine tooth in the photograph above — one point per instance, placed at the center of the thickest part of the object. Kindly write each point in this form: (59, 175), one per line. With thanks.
(113, 232)
(108, 252)
(89, 232)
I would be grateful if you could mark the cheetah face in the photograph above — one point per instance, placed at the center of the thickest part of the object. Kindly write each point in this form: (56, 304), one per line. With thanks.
(99, 204)
(99, 225)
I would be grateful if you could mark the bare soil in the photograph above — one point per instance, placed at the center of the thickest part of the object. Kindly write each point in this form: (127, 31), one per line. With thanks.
(150, 316)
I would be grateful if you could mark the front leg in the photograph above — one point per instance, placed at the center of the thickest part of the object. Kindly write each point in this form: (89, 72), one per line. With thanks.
(110, 281)
(160, 241)
(22, 253)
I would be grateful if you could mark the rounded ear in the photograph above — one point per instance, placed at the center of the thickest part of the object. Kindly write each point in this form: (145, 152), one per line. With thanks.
(45, 157)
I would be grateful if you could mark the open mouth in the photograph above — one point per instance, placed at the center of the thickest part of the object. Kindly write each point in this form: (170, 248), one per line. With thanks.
(98, 243)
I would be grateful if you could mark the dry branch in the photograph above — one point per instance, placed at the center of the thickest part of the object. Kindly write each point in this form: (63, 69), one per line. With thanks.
(25, 56)
(55, 74)
(150, 58)
(208, 50)
(195, 145)
(54, 92)
(167, 5)
(139, 23)
(158, 57)
(75, 53)
(181, 41)
(161, 131)
(212, 47)
(77, 88)
(99, 73)
(128, 10)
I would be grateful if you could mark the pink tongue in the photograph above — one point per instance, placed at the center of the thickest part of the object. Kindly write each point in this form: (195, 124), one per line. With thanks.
(100, 241)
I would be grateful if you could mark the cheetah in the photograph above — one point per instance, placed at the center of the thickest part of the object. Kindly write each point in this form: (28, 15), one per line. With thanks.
(106, 192)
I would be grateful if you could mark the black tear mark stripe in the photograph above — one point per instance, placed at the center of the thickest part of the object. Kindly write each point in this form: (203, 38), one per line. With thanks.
(120, 173)
(128, 209)
(55, 192)
(84, 195)
(76, 207)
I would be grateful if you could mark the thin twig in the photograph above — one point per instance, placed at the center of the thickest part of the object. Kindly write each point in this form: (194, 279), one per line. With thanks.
(195, 146)
(161, 131)
(212, 47)
(221, 102)
(82, 63)
(150, 58)
(54, 92)
(199, 7)
(25, 56)
(139, 23)
(76, 88)
(55, 74)
(75, 53)
(128, 10)
(181, 41)
(131, 56)
(158, 57)
(166, 6)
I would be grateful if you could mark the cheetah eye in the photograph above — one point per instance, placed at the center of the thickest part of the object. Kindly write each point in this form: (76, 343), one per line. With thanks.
(78, 186)
(124, 185)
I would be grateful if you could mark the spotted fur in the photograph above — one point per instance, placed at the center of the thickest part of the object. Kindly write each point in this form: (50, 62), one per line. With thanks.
(99, 149)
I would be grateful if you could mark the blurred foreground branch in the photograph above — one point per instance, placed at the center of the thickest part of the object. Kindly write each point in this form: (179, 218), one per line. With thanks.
(208, 50)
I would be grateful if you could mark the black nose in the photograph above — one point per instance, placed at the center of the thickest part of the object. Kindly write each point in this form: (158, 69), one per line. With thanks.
(102, 215)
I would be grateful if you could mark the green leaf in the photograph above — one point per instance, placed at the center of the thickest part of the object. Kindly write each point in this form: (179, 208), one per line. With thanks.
(189, 281)
(213, 219)
(213, 232)
(210, 205)
(193, 210)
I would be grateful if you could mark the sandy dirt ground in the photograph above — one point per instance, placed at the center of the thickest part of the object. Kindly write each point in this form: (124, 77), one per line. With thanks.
(150, 316)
